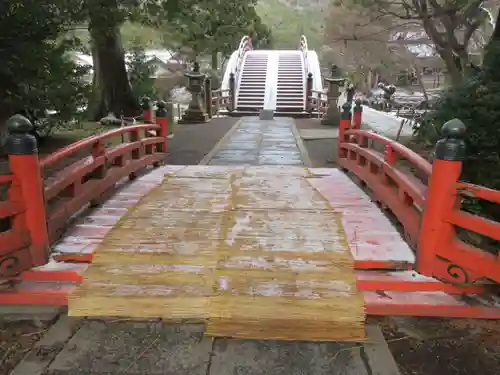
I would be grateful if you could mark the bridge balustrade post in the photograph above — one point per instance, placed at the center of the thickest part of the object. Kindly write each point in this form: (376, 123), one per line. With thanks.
(21, 148)
(309, 89)
(208, 97)
(147, 110)
(232, 92)
(162, 120)
(436, 232)
(357, 115)
(345, 124)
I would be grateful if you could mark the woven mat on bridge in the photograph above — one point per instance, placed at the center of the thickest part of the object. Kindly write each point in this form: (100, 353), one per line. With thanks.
(254, 252)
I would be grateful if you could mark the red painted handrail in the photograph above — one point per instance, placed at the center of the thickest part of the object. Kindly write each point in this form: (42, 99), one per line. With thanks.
(479, 192)
(403, 194)
(89, 142)
(428, 210)
(38, 210)
(402, 151)
(6, 178)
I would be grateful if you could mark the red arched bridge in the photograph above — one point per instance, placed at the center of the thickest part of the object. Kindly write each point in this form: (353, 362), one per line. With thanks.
(121, 233)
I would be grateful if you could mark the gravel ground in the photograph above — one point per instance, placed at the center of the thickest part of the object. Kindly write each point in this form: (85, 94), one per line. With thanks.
(431, 346)
(323, 152)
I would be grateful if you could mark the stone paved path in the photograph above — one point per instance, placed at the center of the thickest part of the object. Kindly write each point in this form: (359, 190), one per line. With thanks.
(133, 348)
(156, 348)
(258, 142)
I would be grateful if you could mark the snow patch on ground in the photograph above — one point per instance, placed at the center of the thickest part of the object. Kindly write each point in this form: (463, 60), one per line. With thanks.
(383, 123)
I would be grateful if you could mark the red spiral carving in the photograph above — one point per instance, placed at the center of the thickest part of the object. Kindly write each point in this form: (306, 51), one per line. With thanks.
(458, 274)
(9, 266)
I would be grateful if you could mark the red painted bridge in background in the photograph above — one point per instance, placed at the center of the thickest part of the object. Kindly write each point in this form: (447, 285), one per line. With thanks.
(444, 276)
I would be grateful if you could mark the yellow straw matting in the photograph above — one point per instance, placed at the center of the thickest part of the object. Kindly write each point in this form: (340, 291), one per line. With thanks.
(254, 252)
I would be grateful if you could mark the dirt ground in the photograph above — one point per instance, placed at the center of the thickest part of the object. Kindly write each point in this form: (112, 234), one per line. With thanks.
(425, 346)
(16, 340)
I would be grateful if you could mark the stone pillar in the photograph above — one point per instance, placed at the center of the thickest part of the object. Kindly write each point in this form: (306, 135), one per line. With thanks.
(232, 92)
(147, 110)
(309, 88)
(195, 113)
(208, 96)
(332, 115)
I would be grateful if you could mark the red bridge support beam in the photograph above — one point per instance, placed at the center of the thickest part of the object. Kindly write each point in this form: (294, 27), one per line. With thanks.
(162, 121)
(147, 110)
(436, 231)
(345, 125)
(21, 147)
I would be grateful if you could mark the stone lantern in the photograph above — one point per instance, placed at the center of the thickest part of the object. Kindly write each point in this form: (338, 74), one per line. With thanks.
(389, 91)
(332, 115)
(350, 91)
(195, 113)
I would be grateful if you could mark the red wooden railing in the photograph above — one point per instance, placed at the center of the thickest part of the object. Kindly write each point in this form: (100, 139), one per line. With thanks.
(36, 209)
(403, 195)
(428, 207)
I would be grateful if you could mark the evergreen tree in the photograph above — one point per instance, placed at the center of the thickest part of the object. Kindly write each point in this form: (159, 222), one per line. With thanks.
(477, 103)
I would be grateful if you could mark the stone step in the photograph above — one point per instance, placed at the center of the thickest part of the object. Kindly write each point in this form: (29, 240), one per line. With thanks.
(250, 99)
(292, 100)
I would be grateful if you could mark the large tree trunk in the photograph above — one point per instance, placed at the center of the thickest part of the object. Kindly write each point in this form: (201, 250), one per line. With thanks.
(454, 70)
(215, 61)
(5, 113)
(112, 90)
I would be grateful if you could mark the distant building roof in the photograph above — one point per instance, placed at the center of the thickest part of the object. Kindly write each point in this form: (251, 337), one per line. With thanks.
(161, 54)
(413, 38)
(83, 59)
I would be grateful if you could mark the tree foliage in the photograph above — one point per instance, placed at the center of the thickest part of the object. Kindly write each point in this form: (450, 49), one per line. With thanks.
(290, 19)
(33, 44)
(35, 69)
(211, 26)
(359, 43)
(449, 24)
(476, 102)
(140, 73)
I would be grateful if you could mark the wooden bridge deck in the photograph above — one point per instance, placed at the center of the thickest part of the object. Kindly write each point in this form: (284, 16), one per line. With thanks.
(254, 251)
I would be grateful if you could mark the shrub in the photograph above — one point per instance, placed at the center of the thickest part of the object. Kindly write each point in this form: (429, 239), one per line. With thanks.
(36, 73)
(477, 103)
